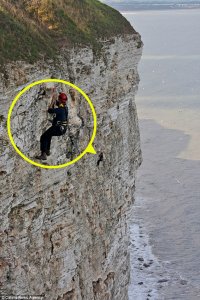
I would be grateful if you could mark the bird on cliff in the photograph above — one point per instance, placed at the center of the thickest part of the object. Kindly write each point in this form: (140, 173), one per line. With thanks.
(59, 123)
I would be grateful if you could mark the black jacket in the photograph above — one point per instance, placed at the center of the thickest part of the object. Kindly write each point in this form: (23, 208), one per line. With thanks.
(61, 114)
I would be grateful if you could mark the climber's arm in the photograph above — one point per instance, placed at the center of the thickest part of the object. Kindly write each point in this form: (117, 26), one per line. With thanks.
(53, 101)
(52, 110)
(72, 94)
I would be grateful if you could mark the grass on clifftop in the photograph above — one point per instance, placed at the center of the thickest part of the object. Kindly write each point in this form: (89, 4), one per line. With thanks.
(32, 29)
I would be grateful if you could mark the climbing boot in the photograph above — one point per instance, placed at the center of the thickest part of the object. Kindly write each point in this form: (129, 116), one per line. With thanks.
(43, 156)
(48, 152)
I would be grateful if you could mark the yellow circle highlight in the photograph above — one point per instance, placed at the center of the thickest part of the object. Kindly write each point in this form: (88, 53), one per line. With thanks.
(89, 147)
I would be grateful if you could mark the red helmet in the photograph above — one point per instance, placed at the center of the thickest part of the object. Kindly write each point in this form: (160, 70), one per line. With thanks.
(63, 98)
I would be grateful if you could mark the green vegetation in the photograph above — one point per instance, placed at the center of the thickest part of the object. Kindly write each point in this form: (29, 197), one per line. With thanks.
(38, 28)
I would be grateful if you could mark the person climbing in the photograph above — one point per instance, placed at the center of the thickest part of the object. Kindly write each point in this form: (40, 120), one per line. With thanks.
(59, 124)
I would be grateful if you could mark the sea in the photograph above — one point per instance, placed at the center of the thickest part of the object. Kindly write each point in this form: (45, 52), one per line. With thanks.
(165, 221)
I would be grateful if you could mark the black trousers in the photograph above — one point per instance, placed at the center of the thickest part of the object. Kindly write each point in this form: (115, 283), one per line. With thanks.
(45, 140)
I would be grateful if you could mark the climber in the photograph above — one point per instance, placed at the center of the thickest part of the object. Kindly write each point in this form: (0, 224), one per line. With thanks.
(59, 124)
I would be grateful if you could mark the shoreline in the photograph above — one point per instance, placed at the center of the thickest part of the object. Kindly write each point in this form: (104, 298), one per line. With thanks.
(151, 278)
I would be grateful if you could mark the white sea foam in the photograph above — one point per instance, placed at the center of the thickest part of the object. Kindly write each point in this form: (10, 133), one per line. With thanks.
(149, 275)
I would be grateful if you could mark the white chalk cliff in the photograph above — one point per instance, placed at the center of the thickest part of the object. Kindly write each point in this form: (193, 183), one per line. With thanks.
(64, 232)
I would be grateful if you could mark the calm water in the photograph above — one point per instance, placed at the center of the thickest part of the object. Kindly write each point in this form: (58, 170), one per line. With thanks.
(165, 229)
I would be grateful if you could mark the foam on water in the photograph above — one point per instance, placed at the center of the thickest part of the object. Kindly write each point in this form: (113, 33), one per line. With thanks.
(151, 277)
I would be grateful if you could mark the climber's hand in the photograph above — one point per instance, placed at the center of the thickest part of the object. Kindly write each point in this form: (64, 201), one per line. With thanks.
(54, 97)
(53, 101)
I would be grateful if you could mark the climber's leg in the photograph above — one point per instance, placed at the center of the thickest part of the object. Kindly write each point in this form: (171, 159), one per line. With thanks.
(45, 143)
(45, 140)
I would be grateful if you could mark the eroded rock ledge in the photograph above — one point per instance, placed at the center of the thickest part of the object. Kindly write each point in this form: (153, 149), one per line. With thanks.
(64, 232)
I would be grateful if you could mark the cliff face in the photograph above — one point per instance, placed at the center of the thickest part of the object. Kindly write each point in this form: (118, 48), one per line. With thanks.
(64, 232)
